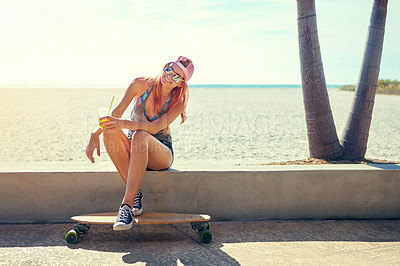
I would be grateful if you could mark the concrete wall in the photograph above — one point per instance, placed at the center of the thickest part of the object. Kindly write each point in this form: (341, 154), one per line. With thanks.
(300, 193)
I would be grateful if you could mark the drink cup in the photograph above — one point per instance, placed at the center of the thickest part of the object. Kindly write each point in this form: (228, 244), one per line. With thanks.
(103, 112)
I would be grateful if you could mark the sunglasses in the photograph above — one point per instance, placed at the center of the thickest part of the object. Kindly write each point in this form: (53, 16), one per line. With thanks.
(175, 77)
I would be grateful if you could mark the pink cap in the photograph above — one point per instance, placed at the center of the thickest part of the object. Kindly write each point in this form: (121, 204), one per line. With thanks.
(188, 70)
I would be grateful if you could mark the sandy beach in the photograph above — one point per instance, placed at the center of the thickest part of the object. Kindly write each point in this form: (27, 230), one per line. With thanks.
(53, 125)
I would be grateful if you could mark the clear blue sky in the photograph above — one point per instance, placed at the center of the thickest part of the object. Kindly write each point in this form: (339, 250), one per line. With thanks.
(108, 43)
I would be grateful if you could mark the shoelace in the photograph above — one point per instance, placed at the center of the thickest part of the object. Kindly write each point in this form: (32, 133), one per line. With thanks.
(124, 214)
(138, 200)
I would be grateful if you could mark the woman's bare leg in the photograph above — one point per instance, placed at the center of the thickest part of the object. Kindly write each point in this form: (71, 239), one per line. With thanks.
(145, 151)
(118, 147)
(131, 158)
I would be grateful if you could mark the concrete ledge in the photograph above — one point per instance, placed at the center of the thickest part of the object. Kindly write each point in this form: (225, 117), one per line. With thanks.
(247, 192)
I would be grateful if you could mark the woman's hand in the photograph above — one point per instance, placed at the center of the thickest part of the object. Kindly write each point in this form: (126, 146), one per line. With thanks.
(94, 143)
(112, 122)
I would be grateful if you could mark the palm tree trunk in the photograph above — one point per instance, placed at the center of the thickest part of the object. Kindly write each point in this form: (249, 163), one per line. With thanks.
(322, 137)
(355, 135)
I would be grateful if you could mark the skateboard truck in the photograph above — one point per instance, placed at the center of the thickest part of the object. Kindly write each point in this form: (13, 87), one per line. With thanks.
(203, 228)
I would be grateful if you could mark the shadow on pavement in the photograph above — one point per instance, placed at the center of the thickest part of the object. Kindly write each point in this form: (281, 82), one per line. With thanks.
(386, 166)
(174, 244)
(155, 245)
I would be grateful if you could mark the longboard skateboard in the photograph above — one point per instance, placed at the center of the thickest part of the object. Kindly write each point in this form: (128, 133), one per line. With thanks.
(199, 223)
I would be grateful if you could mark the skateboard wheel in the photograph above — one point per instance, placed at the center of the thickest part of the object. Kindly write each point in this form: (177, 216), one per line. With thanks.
(72, 237)
(205, 236)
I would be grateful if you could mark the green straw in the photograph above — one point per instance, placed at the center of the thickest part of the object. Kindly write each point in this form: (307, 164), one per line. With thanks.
(109, 109)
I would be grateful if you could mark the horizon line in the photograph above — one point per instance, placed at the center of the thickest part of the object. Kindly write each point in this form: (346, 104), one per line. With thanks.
(199, 85)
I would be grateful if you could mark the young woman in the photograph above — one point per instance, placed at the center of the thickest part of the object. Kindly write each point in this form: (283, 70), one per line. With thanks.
(158, 101)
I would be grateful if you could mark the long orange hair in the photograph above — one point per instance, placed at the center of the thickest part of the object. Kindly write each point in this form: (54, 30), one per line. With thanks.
(178, 94)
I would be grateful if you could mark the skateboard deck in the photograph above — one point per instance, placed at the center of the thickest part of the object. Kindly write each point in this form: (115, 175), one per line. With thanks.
(199, 222)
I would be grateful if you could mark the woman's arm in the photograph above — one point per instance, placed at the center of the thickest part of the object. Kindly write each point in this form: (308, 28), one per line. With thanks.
(94, 144)
(137, 87)
(151, 127)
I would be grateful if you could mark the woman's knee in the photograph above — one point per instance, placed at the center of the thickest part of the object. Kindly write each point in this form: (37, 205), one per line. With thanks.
(140, 140)
(110, 134)
(140, 136)
(115, 140)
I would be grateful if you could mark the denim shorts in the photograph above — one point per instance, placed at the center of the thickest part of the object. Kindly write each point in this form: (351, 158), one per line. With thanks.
(169, 145)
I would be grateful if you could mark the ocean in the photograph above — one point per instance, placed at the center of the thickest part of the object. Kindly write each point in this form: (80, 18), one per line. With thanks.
(235, 123)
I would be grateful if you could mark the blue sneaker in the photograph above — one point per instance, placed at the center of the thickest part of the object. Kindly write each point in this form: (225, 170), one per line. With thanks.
(125, 218)
(137, 204)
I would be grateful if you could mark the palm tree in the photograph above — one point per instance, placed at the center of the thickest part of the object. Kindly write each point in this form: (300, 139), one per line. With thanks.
(322, 137)
(355, 135)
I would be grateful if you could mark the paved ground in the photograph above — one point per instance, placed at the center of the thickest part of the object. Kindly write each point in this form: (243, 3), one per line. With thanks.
(234, 243)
